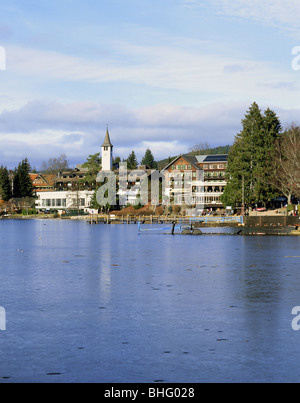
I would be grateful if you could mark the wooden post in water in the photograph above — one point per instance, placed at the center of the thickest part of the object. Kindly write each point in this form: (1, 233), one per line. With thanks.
(173, 227)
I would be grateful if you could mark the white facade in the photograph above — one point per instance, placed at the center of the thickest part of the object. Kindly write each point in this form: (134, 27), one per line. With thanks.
(107, 153)
(198, 192)
(62, 200)
(106, 158)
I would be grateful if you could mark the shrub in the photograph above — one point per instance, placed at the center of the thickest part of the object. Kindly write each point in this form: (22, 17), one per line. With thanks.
(30, 211)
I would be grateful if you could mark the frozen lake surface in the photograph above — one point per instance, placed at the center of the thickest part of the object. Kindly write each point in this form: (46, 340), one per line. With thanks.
(102, 303)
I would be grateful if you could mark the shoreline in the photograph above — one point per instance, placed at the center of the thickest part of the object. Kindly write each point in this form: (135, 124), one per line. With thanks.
(250, 227)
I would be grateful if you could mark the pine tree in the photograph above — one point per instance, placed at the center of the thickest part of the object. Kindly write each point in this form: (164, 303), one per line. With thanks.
(148, 159)
(132, 162)
(5, 186)
(23, 186)
(266, 153)
(93, 164)
(249, 161)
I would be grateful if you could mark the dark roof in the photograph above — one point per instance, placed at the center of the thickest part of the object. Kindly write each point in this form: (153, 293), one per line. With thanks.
(189, 158)
(107, 142)
(216, 158)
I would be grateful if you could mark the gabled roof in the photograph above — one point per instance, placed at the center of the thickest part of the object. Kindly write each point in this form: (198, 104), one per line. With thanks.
(40, 180)
(107, 142)
(189, 158)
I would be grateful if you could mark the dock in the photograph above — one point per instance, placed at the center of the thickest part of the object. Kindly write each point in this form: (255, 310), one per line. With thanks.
(155, 219)
(178, 225)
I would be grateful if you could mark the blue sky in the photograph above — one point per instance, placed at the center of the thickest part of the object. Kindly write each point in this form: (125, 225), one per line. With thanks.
(163, 74)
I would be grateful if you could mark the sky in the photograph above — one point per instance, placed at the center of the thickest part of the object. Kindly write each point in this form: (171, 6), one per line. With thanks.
(161, 74)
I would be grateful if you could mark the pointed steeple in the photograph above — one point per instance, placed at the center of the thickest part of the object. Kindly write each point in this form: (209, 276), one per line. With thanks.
(107, 142)
(107, 151)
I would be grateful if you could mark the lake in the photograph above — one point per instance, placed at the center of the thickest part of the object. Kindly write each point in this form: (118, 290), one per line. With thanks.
(103, 303)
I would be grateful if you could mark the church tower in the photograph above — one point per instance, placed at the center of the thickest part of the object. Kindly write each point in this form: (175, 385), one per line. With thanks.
(107, 149)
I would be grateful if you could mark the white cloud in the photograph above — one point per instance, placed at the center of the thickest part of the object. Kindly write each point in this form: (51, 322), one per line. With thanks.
(40, 130)
(276, 13)
(188, 67)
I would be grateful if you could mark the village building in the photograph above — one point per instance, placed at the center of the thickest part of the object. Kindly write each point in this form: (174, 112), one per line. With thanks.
(196, 180)
(69, 190)
(64, 200)
(42, 182)
(72, 179)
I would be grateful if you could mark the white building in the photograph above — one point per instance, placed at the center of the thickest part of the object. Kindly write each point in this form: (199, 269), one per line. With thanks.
(64, 200)
(107, 153)
(197, 180)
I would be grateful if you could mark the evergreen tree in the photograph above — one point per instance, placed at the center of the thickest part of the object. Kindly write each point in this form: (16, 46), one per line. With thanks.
(93, 164)
(132, 162)
(148, 159)
(5, 186)
(266, 153)
(23, 186)
(249, 161)
(116, 161)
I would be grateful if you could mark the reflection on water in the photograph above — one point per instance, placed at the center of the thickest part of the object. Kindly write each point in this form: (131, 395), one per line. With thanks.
(105, 304)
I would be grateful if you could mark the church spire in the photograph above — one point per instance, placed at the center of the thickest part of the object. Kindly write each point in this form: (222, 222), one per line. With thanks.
(107, 151)
(107, 142)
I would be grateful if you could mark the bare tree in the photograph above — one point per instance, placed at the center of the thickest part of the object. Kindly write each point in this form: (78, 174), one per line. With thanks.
(287, 163)
(54, 165)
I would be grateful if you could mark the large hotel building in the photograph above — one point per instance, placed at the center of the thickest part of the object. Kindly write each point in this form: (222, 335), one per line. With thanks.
(197, 180)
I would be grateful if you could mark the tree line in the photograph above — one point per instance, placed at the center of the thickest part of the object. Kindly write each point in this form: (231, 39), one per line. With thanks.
(264, 161)
(16, 184)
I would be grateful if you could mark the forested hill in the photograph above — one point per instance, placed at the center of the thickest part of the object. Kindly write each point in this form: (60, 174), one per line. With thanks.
(198, 150)
(210, 151)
